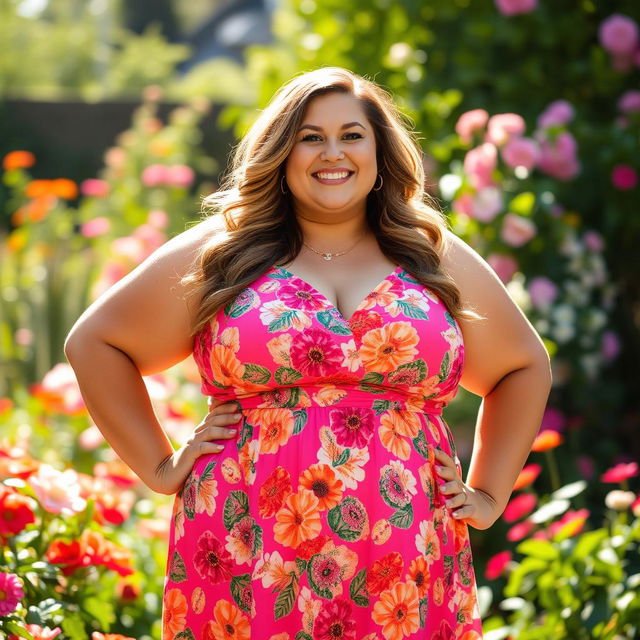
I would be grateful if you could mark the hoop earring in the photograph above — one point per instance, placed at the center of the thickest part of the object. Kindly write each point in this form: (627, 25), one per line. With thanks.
(376, 182)
(282, 183)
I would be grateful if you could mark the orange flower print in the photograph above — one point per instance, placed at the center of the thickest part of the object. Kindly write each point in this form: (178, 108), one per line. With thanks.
(174, 613)
(386, 348)
(351, 471)
(274, 491)
(321, 480)
(328, 395)
(384, 294)
(206, 496)
(227, 369)
(392, 440)
(280, 349)
(230, 338)
(276, 427)
(419, 575)
(397, 611)
(229, 623)
(309, 607)
(384, 573)
(247, 457)
(274, 572)
(427, 541)
(298, 520)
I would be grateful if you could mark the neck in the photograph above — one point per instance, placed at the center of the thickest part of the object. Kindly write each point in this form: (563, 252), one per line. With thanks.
(333, 236)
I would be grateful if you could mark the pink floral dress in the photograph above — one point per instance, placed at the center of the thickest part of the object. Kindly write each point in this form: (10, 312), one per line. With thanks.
(323, 520)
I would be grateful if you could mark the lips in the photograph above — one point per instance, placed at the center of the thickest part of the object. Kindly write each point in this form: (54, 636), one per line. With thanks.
(333, 176)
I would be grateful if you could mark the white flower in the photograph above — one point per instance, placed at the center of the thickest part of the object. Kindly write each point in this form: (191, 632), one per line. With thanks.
(619, 500)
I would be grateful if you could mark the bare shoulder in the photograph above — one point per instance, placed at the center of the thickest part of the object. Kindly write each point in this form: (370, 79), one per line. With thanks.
(147, 314)
(504, 340)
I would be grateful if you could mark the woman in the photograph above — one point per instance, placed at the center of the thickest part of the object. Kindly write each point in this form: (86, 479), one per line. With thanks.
(332, 316)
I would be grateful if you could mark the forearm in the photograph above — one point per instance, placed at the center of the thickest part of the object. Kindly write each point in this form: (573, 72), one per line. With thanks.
(118, 401)
(508, 421)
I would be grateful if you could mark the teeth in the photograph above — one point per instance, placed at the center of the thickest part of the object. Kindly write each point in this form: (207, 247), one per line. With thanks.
(333, 176)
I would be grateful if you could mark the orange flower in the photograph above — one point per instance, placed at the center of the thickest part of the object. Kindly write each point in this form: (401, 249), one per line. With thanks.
(174, 613)
(321, 480)
(64, 188)
(397, 611)
(18, 160)
(226, 368)
(229, 623)
(96, 635)
(298, 520)
(38, 188)
(386, 348)
(527, 476)
(547, 439)
(394, 426)
(419, 575)
(276, 427)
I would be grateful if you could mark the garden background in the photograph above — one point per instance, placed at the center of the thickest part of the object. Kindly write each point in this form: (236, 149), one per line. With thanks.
(116, 118)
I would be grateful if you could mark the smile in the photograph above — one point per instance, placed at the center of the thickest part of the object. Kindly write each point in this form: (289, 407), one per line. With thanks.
(332, 177)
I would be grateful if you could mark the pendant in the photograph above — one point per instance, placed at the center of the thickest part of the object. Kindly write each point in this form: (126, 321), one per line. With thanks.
(327, 256)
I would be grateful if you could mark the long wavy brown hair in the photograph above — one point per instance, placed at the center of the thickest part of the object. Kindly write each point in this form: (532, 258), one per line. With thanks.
(259, 227)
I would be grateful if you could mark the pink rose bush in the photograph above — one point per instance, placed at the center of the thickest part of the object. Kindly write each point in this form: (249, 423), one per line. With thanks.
(619, 35)
(515, 7)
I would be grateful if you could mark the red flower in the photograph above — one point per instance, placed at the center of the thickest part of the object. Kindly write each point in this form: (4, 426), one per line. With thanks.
(362, 321)
(274, 492)
(334, 621)
(520, 530)
(309, 548)
(620, 472)
(213, 562)
(519, 506)
(527, 476)
(16, 512)
(315, 353)
(353, 427)
(546, 439)
(69, 554)
(497, 564)
(384, 573)
(571, 524)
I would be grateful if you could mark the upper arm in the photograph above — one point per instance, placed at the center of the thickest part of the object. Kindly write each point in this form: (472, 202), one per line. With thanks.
(146, 314)
(504, 340)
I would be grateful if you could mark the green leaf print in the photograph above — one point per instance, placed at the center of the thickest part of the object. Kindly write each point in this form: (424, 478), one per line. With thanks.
(286, 375)
(423, 607)
(285, 601)
(403, 275)
(355, 512)
(185, 634)
(464, 562)
(402, 518)
(242, 303)
(238, 585)
(246, 433)
(444, 367)
(282, 323)
(256, 374)
(257, 539)
(301, 565)
(341, 459)
(408, 374)
(300, 420)
(411, 311)
(358, 589)
(303, 635)
(449, 318)
(280, 274)
(178, 570)
(236, 506)
(420, 445)
(448, 570)
(328, 321)
(208, 470)
(372, 378)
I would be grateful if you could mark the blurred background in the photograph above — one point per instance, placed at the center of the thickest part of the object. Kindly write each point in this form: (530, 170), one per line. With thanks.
(116, 118)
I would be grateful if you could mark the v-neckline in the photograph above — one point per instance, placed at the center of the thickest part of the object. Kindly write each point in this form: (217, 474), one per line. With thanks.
(293, 276)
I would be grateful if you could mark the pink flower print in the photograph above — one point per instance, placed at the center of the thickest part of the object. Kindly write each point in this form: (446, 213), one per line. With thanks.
(212, 560)
(316, 353)
(334, 621)
(352, 426)
(301, 296)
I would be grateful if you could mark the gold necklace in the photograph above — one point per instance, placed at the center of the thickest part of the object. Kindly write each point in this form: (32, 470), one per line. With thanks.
(330, 256)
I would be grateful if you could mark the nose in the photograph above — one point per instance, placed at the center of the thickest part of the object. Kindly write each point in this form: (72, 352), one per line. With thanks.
(332, 152)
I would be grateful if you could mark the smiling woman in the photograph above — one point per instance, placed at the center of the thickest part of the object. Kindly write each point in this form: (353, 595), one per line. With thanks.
(331, 316)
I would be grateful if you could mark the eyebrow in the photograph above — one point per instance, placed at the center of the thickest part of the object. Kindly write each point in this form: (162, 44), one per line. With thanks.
(344, 126)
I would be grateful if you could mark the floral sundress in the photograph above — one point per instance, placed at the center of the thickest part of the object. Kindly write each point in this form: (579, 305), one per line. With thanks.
(323, 520)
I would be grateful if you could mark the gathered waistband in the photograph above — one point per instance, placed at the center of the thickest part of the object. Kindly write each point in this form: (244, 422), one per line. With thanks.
(323, 398)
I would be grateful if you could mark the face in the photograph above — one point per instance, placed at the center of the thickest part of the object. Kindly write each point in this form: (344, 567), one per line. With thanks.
(332, 166)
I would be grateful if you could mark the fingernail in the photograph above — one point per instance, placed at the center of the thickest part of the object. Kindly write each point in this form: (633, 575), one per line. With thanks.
(457, 515)
(439, 468)
(232, 432)
(237, 416)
